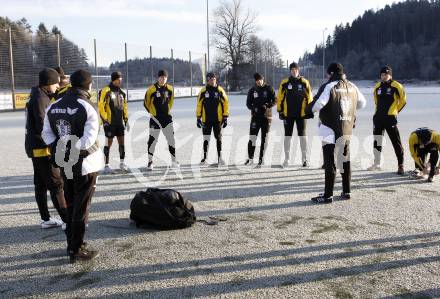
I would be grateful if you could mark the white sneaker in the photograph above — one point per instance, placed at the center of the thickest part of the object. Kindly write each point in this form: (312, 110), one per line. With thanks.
(175, 165)
(374, 167)
(107, 170)
(249, 162)
(123, 166)
(416, 175)
(50, 223)
(150, 166)
(285, 163)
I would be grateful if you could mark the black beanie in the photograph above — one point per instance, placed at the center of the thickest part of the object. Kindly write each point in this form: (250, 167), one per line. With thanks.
(294, 65)
(424, 135)
(257, 76)
(116, 76)
(48, 76)
(210, 75)
(335, 68)
(386, 70)
(163, 73)
(81, 79)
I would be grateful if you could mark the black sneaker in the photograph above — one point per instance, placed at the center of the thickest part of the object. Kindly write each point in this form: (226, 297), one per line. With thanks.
(400, 170)
(83, 254)
(305, 164)
(430, 179)
(346, 195)
(203, 162)
(260, 162)
(322, 199)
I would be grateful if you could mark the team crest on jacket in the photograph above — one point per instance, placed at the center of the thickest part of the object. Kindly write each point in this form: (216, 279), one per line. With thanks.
(255, 95)
(265, 93)
(63, 127)
(166, 94)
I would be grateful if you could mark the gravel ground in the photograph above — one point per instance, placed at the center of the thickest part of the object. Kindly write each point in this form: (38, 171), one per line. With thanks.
(384, 243)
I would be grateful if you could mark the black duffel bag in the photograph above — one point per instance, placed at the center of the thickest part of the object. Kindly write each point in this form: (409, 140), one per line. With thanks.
(162, 208)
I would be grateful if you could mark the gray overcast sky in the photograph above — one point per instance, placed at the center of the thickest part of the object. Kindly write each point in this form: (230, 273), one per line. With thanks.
(295, 26)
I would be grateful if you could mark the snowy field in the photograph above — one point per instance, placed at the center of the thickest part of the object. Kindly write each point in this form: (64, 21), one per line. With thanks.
(276, 243)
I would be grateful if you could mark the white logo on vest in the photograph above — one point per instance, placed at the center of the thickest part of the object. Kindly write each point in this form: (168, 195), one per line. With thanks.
(346, 106)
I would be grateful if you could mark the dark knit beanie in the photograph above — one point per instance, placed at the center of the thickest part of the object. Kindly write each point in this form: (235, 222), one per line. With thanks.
(116, 76)
(424, 135)
(48, 76)
(81, 79)
(335, 68)
(257, 76)
(386, 70)
(210, 75)
(162, 73)
(294, 65)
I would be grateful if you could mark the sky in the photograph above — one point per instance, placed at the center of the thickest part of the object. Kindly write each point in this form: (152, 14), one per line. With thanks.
(295, 26)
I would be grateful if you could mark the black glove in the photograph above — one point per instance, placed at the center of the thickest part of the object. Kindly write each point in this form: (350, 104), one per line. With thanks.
(199, 123)
(281, 116)
(309, 115)
(225, 122)
(105, 124)
(53, 152)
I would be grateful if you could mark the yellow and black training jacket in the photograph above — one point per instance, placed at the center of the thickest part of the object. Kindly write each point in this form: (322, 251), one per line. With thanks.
(414, 146)
(294, 94)
(112, 105)
(389, 98)
(159, 100)
(212, 104)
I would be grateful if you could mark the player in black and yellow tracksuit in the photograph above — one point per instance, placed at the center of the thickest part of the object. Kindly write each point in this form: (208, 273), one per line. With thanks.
(212, 115)
(159, 101)
(46, 176)
(390, 99)
(260, 100)
(113, 109)
(422, 142)
(294, 94)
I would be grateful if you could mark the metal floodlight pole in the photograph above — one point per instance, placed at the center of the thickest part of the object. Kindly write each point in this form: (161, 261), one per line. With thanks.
(172, 65)
(11, 64)
(323, 53)
(151, 64)
(207, 32)
(205, 70)
(191, 73)
(96, 68)
(58, 50)
(126, 69)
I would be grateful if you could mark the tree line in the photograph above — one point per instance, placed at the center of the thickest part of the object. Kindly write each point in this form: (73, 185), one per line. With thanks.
(404, 35)
(33, 51)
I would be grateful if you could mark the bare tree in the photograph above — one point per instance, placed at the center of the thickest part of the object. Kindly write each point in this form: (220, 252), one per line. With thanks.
(233, 29)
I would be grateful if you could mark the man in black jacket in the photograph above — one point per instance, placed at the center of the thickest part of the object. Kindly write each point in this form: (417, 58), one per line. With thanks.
(46, 176)
(71, 127)
(260, 100)
(337, 103)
